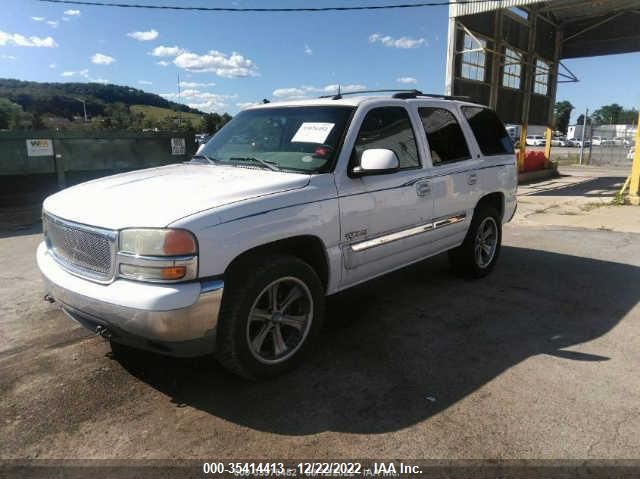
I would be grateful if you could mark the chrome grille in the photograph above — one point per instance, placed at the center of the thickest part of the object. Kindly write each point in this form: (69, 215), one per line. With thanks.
(81, 249)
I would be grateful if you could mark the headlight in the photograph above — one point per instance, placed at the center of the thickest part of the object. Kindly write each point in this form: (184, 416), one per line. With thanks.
(157, 255)
(152, 242)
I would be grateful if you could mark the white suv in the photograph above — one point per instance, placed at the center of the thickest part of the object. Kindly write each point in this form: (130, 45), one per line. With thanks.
(234, 251)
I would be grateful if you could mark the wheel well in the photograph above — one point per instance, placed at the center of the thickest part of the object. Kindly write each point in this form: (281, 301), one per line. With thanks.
(309, 249)
(496, 200)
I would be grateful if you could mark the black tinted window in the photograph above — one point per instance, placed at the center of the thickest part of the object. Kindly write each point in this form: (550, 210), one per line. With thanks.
(445, 137)
(489, 131)
(388, 128)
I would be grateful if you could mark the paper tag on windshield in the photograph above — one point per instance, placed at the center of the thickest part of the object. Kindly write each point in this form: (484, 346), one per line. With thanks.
(312, 132)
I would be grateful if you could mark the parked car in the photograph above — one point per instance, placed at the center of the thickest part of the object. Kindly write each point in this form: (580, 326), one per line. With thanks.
(631, 153)
(559, 141)
(601, 141)
(576, 142)
(202, 138)
(235, 251)
(535, 140)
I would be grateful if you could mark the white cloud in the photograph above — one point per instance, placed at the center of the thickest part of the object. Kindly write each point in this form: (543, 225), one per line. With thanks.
(22, 41)
(53, 23)
(407, 80)
(402, 42)
(307, 49)
(101, 59)
(223, 65)
(38, 19)
(72, 13)
(82, 73)
(7, 57)
(52, 65)
(297, 93)
(163, 63)
(163, 51)
(204, 101)
(145, 82)
(192, 84)
(144, 36)
(226, 66)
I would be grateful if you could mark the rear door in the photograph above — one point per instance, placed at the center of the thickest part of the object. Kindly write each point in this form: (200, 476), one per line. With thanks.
(454, 170)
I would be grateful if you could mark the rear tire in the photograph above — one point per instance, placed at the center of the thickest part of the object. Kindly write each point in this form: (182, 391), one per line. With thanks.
(477, 255)
(272, 310)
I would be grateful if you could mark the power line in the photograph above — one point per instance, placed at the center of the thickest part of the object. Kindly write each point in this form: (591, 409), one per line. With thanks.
(263, 10)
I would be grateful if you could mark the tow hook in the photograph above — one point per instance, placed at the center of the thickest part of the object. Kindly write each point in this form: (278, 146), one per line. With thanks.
(103, 332)
(49, 299)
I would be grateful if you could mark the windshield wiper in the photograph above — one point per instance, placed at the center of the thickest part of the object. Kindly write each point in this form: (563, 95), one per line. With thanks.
(200, 156)
(268, 164)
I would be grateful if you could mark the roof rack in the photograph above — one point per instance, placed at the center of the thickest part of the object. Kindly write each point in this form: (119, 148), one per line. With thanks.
(399, 94)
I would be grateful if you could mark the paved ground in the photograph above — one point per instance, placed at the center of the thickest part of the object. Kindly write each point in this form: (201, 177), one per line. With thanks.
(580, 197)
(539, 360)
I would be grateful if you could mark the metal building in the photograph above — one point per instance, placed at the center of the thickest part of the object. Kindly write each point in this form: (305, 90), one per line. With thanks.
(508, 53)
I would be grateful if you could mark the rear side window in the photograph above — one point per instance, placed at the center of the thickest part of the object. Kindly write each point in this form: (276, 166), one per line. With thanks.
(444, 134)
(489, 131)
(388, 128)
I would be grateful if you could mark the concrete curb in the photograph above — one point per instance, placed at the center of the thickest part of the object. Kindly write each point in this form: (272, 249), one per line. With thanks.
(529, 176)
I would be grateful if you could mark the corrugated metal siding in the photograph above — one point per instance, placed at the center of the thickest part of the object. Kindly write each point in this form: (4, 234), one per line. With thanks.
(457, 10)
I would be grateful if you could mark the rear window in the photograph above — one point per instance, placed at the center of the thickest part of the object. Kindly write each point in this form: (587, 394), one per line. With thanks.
(446, 140)
(489, 131)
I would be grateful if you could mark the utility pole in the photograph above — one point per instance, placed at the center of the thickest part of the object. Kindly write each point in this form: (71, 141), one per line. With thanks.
(84, 107)
(584, 127)
(179, 94)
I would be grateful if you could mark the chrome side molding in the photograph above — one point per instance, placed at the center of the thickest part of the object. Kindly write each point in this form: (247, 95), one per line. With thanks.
(406, 233)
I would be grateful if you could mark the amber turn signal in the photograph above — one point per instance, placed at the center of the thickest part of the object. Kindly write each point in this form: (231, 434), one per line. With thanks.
(173, 272)
(178, 243)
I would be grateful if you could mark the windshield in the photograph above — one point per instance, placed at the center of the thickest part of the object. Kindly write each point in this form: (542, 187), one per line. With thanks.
(303, 139)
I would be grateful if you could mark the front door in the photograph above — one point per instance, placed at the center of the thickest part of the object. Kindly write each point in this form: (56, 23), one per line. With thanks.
(385, 218)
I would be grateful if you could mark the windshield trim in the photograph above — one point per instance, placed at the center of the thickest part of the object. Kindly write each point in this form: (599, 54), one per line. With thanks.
(330, 166)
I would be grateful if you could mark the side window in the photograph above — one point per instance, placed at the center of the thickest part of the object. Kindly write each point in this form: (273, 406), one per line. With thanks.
(444, 134)
(389, 128)
(489, 131)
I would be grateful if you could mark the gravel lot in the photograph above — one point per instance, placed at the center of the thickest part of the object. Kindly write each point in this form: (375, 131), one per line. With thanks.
(539, 360)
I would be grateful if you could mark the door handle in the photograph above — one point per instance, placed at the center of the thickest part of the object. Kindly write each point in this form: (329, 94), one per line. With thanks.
(423, 188)
(472, 179)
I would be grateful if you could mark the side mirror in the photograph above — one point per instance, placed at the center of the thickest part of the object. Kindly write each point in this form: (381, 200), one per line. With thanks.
(377, 161)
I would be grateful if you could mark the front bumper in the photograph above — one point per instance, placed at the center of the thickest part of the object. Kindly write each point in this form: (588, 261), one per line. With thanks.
(176, 319)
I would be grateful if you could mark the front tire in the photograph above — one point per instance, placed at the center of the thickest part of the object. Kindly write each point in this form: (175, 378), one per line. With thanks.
(477, 255)
(271, 312)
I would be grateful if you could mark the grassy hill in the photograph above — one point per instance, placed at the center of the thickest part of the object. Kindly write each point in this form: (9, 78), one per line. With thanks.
(156, 114)
(60, 99)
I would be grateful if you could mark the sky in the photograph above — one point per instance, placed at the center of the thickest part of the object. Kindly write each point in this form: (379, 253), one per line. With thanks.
(226, 61)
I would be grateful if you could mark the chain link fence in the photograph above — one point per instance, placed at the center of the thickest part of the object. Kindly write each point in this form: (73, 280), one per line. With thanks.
(611, 145)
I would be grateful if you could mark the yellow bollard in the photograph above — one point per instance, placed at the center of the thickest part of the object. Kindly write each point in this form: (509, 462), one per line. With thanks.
(523, 147)
(634, 185)
(547, 145)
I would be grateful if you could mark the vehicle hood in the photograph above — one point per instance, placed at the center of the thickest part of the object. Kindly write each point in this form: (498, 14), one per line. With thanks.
(156, 197)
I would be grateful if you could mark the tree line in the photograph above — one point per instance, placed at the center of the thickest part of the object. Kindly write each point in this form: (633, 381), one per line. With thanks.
(613, 114)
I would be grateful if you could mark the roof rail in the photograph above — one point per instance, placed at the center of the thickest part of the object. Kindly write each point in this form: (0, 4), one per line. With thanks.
(340, 94)
(399, 94)
(419, 94)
